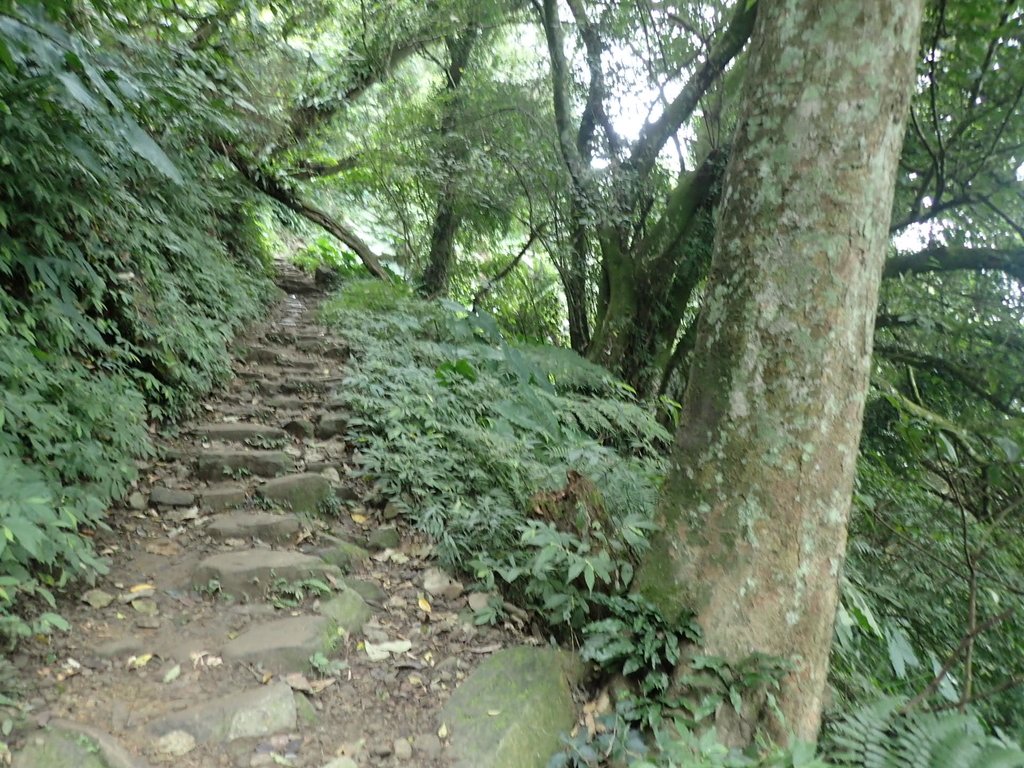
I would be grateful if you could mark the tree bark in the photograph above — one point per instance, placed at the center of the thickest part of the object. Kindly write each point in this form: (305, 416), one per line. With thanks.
(448, 217)
(754, 511)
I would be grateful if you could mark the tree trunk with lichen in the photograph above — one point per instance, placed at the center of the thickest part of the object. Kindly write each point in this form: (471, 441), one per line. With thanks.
(755, 508)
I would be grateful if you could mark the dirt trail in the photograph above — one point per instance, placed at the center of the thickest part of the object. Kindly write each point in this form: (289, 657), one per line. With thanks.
(195, 649)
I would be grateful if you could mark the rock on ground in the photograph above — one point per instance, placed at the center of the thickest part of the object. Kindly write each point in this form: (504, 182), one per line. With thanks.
(274, 529)
(250, 572)
(511, 711)
(216, 464)
(64, 744)
(250, 713)
(284, 645)
(301, 493)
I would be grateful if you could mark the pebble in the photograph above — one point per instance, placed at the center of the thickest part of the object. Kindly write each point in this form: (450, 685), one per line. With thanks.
(176, 743)
(403, 749)
(427, 745)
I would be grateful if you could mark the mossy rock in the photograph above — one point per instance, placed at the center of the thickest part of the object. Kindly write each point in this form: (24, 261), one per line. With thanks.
(513, 709)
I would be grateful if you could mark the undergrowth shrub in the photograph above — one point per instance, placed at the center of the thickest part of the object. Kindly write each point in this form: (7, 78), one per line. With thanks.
(532, 469)
(126, 265)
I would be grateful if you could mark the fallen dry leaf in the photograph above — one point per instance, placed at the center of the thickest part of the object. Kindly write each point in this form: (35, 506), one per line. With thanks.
(138, 662)
(381, 651)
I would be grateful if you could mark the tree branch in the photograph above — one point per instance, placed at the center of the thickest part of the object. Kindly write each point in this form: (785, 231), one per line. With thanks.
(273, 188)
(506, 270)
(655, 135)
(943, 367)
(946, 258)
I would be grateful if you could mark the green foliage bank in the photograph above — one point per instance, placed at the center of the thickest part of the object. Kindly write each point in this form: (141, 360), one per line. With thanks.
(126, 264)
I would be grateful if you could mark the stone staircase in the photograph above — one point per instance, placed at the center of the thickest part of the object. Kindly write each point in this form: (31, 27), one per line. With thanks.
(259, 610)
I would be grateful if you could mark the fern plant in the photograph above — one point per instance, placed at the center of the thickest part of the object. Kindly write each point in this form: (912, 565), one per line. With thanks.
(881, 735)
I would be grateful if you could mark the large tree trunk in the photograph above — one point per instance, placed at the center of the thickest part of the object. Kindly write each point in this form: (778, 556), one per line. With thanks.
(755, 508)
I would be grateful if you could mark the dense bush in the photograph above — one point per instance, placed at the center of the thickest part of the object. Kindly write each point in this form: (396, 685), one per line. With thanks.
(529, 467)
(126, 265)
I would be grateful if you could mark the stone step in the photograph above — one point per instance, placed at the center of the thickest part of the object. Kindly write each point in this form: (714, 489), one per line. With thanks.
(265, 526)
(171, 497)
(303, 492)
(301, 364)
(259, 353)
(221, 496)
(259, 711)
(249, 573)
(239, 432)
(283, 645)
(214, 464)
(331, 425)
(290, 402)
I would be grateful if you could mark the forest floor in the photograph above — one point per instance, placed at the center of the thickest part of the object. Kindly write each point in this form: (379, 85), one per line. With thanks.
(259, 610)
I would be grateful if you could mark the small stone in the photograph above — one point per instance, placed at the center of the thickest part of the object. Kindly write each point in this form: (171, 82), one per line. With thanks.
(478, 601)
(391, 510)
(346, 493)
(299, 428)
(428, 745)
(331, 474)
(148, 622)
(439, 583)
(137, 501)
(171, 497)
(176, 743)
(97, 598)
(370, 591)
(146, 606)
(382, 749)
(343, 554)
(331, 425)
(347, 610)
(341, 762)
(403, 749)
(385, 537)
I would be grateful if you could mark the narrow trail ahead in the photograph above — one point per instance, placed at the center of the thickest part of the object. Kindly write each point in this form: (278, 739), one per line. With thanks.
(195, 649)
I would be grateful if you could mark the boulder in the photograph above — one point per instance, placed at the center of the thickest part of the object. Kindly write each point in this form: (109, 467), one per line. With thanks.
(512, 710)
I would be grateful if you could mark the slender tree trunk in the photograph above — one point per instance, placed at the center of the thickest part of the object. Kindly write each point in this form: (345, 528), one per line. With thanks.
(447, 217)
(755, 508)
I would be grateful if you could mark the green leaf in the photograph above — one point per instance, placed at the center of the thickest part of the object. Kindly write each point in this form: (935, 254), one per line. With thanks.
(145, 147)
